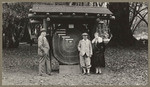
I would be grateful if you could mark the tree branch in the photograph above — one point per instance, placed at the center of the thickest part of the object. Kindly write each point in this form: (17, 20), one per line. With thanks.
(134, 14)
(138, 23)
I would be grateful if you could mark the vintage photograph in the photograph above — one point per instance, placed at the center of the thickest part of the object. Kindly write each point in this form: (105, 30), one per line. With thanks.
(75, 43)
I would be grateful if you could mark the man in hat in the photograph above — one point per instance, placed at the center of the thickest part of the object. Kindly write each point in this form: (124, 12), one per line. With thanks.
(85, 49)
(43, 52)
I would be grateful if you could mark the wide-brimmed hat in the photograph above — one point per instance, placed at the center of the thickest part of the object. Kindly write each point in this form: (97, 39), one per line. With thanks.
(84, 34)
(43, 30)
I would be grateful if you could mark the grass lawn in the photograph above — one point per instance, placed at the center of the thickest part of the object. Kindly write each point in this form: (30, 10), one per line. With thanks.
(124, 66)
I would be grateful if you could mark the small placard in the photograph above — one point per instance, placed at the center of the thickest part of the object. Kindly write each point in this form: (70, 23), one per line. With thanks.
(71, 26)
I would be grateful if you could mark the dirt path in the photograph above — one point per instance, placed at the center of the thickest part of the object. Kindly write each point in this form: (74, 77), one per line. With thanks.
(30, 77)
(20, 68)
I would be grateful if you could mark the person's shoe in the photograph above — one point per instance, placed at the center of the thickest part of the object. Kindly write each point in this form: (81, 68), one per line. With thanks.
(88, 74)
(97, 73)
(83, 73)
(39, 74)
(49, 74)
(44, 75)
(100, 72)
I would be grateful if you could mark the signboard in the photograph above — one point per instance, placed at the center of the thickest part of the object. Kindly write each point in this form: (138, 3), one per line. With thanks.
(71, 25)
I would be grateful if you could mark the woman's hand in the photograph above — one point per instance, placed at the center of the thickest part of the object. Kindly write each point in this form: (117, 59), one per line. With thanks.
(93, 40)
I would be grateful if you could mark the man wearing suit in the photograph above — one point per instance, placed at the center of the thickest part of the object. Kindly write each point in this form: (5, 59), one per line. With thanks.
(43, 52)
(85, 49)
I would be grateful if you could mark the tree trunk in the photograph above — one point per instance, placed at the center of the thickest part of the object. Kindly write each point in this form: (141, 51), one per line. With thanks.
(122, 34)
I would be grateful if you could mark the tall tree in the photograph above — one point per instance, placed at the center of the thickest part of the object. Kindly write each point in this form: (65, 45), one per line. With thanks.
(120, 28)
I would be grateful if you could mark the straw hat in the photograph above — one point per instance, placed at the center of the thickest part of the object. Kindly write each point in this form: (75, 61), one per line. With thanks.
(43, 30)
(84, 34)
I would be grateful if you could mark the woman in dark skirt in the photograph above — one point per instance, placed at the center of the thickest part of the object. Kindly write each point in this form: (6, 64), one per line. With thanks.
(98, 53)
